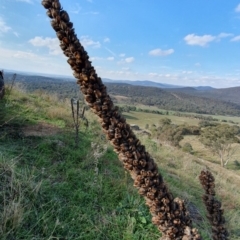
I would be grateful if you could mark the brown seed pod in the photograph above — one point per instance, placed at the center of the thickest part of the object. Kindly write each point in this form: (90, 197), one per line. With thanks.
(70, 24)
(67, 53)
(49, 13)
(63, 25)
(54, 12)
(129, 154)
(65, 40)
(64, 16)
(72, 48)
(125, 133)
(77, 55)
(61, 34)
(71, 61)
(55, 25)
(142, 191)
(89, 98)
(63, 46)
(83, 77)
(47, 3)
(128, 167)
(104, 107)
(56, 4)
(98, 94)
(118, 135)
(143, 162)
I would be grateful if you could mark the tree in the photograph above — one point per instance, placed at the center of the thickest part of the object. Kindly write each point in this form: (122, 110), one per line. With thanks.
(220, 140)
(165, 121)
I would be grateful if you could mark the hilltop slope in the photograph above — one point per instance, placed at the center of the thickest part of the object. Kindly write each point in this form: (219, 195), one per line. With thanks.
(172, 100)
(60, 191)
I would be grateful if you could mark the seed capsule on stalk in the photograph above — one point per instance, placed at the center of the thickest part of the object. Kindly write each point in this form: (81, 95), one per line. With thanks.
(132, 153)
(64, 16)
(55, 25)
(49, 13)
(47, 3)
(56, 4)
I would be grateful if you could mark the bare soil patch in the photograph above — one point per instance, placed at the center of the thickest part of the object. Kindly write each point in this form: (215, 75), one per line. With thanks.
(40, 130)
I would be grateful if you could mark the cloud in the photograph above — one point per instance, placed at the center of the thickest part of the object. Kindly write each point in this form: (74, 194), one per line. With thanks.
(77, 9)
(110, 51)
(110, 58)
(237, 9)
(88, 42)
(236, 39)
(122, 55)
(153, 74)
(101, 59)
(16, 34)
(92, 12)
(3, 26)
(160, 52)
(7, 53)
(96, 58)
(31, 62)
(129, 59)
(51, 43)
(192, 39)
(224, 35)
(26, 55)
(106, 40)
(187, 72)
(26, 1)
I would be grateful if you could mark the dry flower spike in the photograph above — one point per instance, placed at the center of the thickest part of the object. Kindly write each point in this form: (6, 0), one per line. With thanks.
(213, 206)
(169, 214)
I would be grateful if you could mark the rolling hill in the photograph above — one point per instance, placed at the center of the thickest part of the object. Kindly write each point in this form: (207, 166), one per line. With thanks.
(202, 100)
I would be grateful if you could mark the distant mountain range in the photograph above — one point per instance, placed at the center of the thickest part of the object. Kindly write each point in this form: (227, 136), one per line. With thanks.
(147, 83)
(176, 99)
(201, 99)
(144, 83)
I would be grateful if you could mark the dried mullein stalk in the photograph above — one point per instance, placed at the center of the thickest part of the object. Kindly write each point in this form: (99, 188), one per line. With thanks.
(2, 89)
(213, 206)
(169, 214)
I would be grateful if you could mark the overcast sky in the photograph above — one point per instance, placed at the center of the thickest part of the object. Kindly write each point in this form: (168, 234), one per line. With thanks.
(182, 42)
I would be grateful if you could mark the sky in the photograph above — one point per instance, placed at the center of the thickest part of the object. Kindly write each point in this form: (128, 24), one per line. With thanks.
(189, 43)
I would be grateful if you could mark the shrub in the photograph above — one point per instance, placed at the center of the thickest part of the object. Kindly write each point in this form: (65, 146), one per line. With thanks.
(187, 147)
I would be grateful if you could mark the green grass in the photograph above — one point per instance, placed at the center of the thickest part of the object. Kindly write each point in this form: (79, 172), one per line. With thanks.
(56, 196)
(52, 190)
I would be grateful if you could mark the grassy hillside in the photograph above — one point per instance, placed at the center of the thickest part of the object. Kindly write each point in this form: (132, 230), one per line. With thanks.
(225, 94)
(53, 190)
(173, 101)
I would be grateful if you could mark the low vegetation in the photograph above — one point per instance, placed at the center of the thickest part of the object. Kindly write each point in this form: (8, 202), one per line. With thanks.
(169, 214)
(51, 189)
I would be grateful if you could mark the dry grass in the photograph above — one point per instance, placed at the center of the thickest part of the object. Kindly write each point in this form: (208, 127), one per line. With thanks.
(142, 118)
(181, 171)
(12, 206)
(203, 152)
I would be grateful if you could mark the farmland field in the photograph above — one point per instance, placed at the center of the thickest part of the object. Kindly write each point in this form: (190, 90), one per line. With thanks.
(142, 118)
